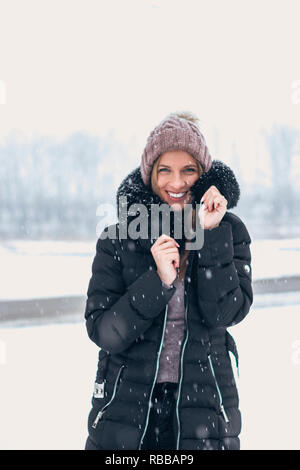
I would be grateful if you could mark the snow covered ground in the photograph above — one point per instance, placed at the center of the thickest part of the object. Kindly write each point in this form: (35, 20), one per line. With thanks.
(39, 269)
(47, 375)
(47, 372)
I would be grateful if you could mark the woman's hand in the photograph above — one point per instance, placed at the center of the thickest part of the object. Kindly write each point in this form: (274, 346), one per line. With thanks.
(214, 207)
(167, 258)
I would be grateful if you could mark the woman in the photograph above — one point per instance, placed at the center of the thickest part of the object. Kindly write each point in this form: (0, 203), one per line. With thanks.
(159, 311)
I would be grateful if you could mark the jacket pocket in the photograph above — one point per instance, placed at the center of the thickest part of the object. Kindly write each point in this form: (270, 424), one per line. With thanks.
(222, 409)
(99, 389)
(231, 348)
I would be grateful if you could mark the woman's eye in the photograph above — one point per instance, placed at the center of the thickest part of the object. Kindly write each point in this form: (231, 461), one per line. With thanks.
(166, 169)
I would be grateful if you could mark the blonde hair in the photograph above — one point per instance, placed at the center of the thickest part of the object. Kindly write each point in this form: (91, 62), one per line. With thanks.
(155, 188)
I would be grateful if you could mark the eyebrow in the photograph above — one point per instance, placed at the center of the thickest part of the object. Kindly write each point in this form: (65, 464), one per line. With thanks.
(190, 165)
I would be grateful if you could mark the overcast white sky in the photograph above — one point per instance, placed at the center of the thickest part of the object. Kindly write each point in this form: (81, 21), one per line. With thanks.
(96, 65)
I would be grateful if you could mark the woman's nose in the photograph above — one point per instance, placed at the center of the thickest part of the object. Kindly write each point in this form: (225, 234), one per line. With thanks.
(176, 183)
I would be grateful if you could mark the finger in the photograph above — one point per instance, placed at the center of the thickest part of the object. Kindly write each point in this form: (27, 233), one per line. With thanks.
(167, 251)
(207, 199)
(171, 258)
(214, 202)
(203, 203)
(203, 209)
(162, 246)
(225, 201)
(220, 201)
(203, 199)
(166, 244)
(212, 190)
(209, 204)
(176, 260)
(163, 239)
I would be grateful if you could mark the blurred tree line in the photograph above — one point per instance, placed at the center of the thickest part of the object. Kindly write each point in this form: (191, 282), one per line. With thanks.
(51, 189)
(272, 211)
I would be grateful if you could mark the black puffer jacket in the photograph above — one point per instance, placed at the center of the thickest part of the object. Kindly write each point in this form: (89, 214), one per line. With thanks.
(126, 313)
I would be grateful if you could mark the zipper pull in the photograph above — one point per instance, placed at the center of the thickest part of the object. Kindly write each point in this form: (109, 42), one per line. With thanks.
(94, 425)
(224, 413)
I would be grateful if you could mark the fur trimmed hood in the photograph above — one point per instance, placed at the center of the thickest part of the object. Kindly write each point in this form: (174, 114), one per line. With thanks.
(219, 175)
(136, 192)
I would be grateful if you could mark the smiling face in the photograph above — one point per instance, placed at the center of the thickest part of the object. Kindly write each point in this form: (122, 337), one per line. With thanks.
(173, 175)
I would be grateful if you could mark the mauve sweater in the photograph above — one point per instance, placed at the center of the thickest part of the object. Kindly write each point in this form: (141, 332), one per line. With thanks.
(173, 337)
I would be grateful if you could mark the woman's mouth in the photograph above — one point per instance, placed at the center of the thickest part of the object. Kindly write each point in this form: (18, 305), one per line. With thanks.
(176, 196)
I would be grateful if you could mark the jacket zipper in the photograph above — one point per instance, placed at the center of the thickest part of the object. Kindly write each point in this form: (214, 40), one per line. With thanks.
(156, 372)
(218, 389)
(100, 413)
(181, 377)
(182, 351)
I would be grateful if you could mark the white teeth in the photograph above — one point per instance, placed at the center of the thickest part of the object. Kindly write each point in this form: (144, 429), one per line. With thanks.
(176, 195)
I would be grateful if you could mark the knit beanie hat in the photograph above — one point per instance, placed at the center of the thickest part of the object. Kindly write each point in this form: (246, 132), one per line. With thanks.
(175, 132)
